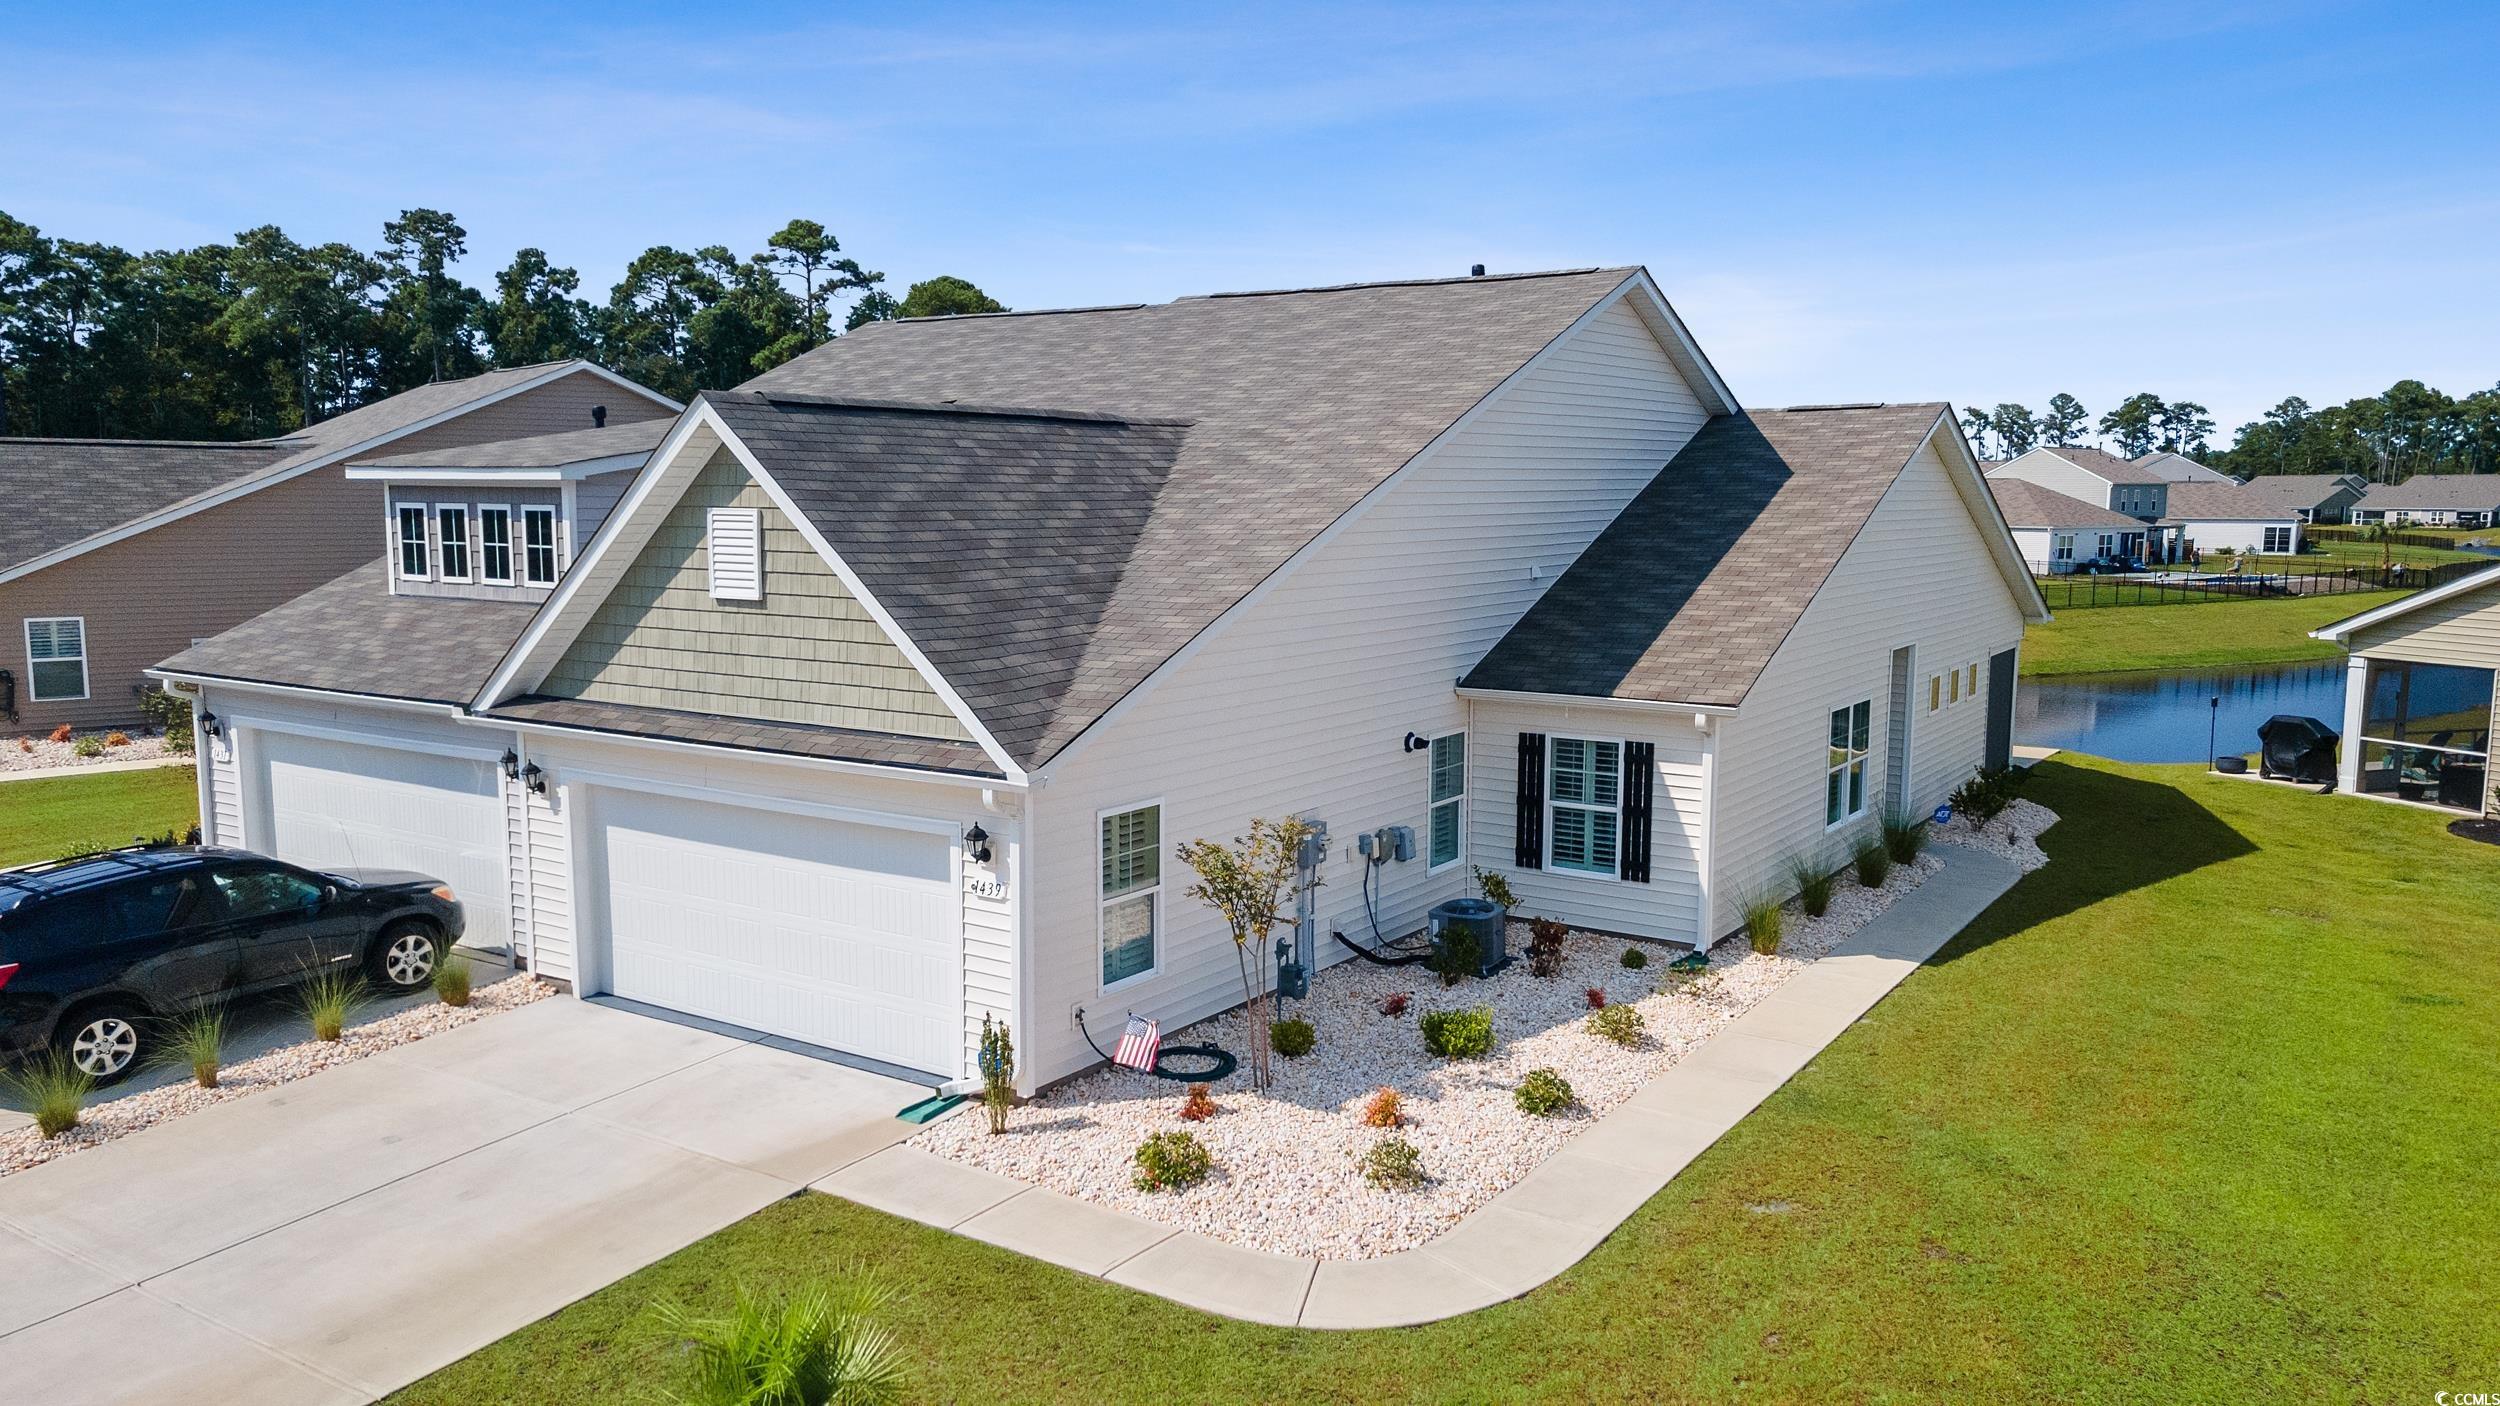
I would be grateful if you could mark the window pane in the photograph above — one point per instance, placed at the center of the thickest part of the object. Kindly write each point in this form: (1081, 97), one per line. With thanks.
(253, 893)
(1840, 729)
(1606, 772)
(1570, 840)
(1859, 717)
(149, 905)
(57, 679)
(1128, 938)
(1857, 787)
(1570, 771)
(1132, 850)
(56, 639)
(1445, 832)
(1449, 766)
(1831, 800)
(1602, 841)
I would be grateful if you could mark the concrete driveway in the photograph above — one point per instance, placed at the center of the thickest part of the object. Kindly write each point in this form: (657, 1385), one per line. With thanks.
(335, 1239)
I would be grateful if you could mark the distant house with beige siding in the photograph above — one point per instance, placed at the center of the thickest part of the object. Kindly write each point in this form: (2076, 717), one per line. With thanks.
(2418, 697)
(115, 553)
(875, 706)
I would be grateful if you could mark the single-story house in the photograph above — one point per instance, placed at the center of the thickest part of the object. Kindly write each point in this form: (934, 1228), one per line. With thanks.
(2097, 476)
(2226, 517)
(2432, 500)
(2310, 498)
(878, 702)
(116, 553)
(2178, 468)
(2418, 695)
(2055, 533)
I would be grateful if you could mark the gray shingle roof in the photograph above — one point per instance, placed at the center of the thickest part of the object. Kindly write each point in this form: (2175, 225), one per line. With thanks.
(1298, 403)
(1685, 597)
(77, 489)
(547, 451)
(2223, 502)
(831, 743)
(2027, 504)
(2177, 468)
(2099, 461)
(354, 636)
(2289, 491)
(2471, 492)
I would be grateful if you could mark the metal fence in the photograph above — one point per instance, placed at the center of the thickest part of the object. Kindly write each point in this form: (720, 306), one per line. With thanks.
(2080, 592)
(2324, 532)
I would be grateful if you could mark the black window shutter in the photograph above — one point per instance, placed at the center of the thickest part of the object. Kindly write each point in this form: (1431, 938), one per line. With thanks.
(1638, 768)
(1531, 827)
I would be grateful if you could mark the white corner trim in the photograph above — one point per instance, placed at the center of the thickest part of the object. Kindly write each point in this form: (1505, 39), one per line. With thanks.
(2342, 630)
(1683, 335)
(220, 497)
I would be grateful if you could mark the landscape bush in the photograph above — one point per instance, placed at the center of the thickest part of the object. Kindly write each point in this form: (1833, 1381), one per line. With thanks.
(1496, 890)
(1293, 1038)
(1169, 1161)
(1635, 958)
(1395, 1003)
(1545, 947)
(1383, 1110)
(1988, 792)
(117, 739)
(1597, 998)
(62, 733)
(1763, 918)
(1199, 1106)
(1463, 1034)
(1872, 862)
(998, 1072)
(813, 1346)
(1813, 883)
(1456, 953)
(1620, 1025)
(87, 746)
(1544, 1092)
(1393, 1164)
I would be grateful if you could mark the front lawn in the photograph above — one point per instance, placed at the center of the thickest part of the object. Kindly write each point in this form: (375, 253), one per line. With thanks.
(2117, 638)
(60, 814)
(2200, 1112)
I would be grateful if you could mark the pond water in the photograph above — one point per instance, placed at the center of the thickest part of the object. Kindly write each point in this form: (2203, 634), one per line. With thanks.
(2162, 717)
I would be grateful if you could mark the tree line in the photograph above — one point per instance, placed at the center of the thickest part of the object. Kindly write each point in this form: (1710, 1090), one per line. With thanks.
(2409, 429)
(265, 334)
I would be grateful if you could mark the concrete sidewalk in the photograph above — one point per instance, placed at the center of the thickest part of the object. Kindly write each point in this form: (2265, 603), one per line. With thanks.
(336, 1238)
(1525, 1236)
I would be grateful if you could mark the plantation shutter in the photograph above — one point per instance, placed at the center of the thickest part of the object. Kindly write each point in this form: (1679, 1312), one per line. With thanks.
(735, 545)
(1530, 847)
(1639, 765)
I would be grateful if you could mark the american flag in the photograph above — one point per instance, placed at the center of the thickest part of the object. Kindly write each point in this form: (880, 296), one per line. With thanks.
(1138, 1044)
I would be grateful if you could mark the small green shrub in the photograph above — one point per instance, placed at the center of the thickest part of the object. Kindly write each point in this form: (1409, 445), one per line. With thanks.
(1763, 918)
(1872, 862)
(1813, 883)
(1466, 1034)
(87, 746)
(1545, 1093)
(1167, 1161)
(998, 1073)
(1621, 1025)
(170, 713)
(1635, 958)
(453, 979)
(1393, 1164)
(329, 999)
(1293, 1038)
(1496, 890)
(1988, 792)
(1456, 954)
(814, 1346)
(197, 1042)
(54, 1091)
(1904, 836)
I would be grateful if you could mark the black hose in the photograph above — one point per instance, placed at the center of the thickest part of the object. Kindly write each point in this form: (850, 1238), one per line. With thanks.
(1221, 1063)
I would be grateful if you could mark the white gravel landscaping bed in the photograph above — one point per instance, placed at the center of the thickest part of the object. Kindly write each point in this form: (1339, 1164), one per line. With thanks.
(103, 1122)
(31, 753)
(1285, 1177)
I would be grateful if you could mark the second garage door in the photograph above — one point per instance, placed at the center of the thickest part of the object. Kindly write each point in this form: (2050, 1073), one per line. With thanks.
(837, 933)
(343, 805)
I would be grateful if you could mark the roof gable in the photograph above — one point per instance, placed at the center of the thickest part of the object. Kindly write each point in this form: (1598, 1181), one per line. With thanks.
(2027, 504)
(2223, 502)
(2097, 462)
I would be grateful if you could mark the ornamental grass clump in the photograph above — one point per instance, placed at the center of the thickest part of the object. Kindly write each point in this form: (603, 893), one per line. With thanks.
(197, 1042)
(453, 979)
(1383, 1110)
(1904, 836)
(1620, 1025)
(815, 1347)
(54, 1091)
(1294, 1038)
(330, 999)
(1170, 1161)
(1393, 1164)
(1763, 919)
(1813, 883)
(1872, 862)
(1544, 1092)
(1463, 1034)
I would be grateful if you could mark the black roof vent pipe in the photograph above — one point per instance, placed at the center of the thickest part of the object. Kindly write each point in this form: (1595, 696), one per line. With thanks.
(598, 417)
(1475, 270)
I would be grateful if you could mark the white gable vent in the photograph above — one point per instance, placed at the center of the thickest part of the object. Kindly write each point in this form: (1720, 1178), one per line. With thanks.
(735, 545)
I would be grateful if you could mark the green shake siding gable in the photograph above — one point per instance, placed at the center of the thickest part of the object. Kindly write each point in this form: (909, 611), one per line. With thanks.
(808, 652)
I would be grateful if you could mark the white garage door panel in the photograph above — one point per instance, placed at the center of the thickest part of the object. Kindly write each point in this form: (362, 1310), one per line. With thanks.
(839, 934)
(342, 805)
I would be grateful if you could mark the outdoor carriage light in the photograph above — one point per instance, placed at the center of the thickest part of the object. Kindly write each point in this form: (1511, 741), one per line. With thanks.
(209, 725)
(534, 779)
(511, 765)
(977, 844)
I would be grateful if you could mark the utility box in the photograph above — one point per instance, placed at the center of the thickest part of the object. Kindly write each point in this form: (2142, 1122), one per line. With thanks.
(1480, 916)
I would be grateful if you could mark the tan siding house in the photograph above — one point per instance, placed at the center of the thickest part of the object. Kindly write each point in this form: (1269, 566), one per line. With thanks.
(2419, 702)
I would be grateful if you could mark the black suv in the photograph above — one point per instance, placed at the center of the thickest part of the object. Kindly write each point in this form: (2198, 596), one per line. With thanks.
(91, 949)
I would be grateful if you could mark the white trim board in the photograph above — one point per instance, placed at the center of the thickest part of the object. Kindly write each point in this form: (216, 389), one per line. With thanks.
(558, 473)
(2343, 629)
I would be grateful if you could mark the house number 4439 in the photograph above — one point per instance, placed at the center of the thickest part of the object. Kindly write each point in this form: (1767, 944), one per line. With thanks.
(985, 886)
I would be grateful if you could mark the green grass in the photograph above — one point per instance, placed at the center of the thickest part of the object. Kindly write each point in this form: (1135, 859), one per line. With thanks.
(2118, 638)
(2201, 1112)
(51, 817)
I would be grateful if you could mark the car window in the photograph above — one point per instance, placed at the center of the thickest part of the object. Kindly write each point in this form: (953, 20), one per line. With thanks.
(255, 893)
(54, 922)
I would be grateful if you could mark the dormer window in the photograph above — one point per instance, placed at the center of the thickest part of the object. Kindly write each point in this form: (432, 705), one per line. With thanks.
(412, 553)
(494, 545)
(538, 546)
(453, 526)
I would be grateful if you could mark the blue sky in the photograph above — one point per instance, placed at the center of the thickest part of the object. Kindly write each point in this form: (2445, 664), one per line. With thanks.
(2224, 202)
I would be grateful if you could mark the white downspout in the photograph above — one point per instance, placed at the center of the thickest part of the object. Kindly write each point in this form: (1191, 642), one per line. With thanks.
(2356, 702)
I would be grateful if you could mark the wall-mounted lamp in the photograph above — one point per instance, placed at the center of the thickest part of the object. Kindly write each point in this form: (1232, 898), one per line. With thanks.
(210, 725)
(534, 779)
(1416, 742)
(977, 844)
(511, 765)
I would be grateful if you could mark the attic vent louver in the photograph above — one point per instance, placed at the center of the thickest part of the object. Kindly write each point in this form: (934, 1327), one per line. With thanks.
(733, 541)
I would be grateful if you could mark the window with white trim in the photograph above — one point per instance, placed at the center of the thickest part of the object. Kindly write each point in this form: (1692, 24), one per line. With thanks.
(2278, 541)
(494, 545)
(1449, 800)
(1844, 762)
(1971, 688)
(451, 528)
(56, 658)
(2109, 544)
(1935, 692)
(413, 556)
(1132, 893)
(538, 546)
(1584, 804)
(2062, 547)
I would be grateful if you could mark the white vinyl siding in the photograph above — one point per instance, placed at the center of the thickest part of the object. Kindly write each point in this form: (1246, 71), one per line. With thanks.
(1844, 780)
(1132, 893)
(415, 556)
(451, 527)
(494, 545)
(538, 546)
(734, 547)
(56, 658)
(1448, 827)
(1584, 804)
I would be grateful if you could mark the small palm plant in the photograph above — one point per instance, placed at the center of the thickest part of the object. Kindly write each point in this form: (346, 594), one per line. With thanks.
(54, 1090)
(1814, 885)
(197, 1042)
(816, 1347)
(329, 999)
(453, 979)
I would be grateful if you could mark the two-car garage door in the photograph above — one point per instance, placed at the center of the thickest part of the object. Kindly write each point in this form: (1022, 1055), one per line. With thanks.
(834, 932)
(345, 805)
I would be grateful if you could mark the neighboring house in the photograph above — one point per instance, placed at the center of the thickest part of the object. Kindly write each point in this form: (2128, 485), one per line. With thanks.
(2178, 468)
(2225, 517)
(2309, 498)
(2056, 533)
(2418, 695)
(115, 553)
(879, 702)
(2103, 478)
(2432, 500)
